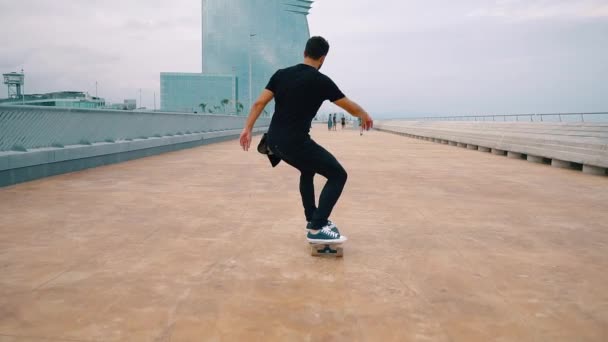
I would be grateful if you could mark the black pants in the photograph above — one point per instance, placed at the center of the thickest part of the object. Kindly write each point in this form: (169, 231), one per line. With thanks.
(310, 158)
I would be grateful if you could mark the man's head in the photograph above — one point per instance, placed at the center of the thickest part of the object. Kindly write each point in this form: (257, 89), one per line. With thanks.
(316, 49)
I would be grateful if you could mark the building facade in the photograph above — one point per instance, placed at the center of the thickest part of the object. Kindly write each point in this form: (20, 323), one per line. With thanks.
(247, 40)
(127, 104)
(63, 99)
(253, 38)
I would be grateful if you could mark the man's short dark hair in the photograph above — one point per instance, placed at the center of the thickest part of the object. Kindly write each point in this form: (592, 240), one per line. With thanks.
(316, 47)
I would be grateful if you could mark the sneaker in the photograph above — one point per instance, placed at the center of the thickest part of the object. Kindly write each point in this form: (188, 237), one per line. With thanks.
(331, 225)
(325, 235)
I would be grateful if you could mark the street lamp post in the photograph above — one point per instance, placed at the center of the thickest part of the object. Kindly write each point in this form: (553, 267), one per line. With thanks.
(23, 88)
(251, 35)
(234, 91)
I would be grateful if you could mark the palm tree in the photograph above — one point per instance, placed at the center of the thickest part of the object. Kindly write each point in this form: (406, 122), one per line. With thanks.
(224, 103)
(203, 106)
(239, 107)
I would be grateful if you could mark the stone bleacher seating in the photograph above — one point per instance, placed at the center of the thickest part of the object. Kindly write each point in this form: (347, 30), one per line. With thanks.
(563, 144)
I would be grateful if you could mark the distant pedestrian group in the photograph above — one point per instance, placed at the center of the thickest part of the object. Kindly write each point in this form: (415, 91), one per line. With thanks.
(332, 122)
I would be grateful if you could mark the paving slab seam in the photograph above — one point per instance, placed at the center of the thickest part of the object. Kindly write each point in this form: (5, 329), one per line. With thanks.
(118, 299)
(167, 331)
(115, 285)
(37, 288)
(52, 278)
(519, 318)
(419, 295)
(434, 311)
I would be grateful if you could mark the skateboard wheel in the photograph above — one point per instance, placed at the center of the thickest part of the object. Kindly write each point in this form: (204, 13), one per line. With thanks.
(326, 250)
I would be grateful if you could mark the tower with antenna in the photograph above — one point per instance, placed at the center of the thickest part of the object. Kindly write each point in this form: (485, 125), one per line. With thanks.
(14, 82)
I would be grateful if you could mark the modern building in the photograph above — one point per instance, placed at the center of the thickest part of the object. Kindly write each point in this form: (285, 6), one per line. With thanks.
(128, 104)
(14, 82)
(244, 41)
(64, 99)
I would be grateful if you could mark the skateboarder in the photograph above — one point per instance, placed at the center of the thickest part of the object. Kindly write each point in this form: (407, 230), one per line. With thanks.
(299, 91)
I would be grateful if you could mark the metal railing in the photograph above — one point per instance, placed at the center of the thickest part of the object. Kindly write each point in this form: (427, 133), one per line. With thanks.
(28, 127)
(533, 117)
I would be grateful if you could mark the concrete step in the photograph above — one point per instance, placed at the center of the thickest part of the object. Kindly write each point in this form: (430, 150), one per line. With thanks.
(585, 144)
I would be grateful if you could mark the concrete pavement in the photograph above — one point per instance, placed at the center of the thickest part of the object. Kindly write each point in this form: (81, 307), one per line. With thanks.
(207, 244)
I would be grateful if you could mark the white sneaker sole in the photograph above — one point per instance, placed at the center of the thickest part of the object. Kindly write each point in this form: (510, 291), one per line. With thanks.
(332, 226)
(328, 242)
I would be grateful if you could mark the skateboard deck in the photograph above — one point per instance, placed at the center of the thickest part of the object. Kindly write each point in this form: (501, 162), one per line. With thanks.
(326, 249)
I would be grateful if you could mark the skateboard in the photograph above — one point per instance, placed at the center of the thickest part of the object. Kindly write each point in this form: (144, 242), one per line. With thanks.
(326, 249)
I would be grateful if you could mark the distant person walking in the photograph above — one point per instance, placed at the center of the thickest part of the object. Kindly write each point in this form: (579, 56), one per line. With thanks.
(335, 123)
(299, 92)
(343, 120)
(360, 126)
(329, 123)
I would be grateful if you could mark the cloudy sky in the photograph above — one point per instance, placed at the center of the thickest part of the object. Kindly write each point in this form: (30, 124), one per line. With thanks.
(395, 57)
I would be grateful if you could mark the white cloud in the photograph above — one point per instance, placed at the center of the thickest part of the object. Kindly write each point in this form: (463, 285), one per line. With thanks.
(123, 45)
(538, 9)
(432, 56)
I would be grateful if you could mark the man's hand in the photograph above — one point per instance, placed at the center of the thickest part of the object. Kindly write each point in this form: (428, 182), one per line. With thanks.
(355, 110)
(255, 112)
(245, 139)
(367, 122)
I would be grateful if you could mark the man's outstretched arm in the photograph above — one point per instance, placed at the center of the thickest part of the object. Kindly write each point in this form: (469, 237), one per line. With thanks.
(355, 110)
(254, 114)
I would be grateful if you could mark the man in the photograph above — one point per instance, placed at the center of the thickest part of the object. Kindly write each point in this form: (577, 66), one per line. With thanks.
(360, 126)
(299, 91)
(335, 123)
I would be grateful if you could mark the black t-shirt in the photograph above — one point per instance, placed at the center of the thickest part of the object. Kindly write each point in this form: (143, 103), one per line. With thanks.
(299, 92)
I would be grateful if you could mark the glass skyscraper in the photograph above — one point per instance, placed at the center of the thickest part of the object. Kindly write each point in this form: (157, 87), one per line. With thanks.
(243, 38)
